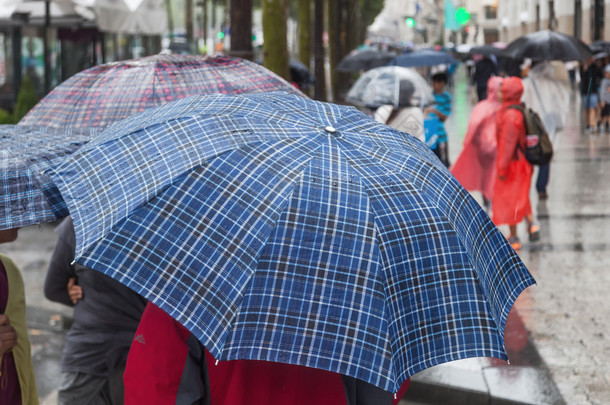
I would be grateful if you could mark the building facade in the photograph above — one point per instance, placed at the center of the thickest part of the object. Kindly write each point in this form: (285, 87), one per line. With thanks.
(588, 20)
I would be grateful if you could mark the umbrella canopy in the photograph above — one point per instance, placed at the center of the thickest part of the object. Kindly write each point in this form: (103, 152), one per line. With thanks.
(28, 196)
(380, 86)
(547, 45)
(103, 94)
(279, 228)
(486, 50)
(426, 57)
(366, 59)
(600, 46)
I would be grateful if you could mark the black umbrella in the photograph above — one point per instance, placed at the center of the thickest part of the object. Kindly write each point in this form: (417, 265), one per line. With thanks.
(423, 57)
(364, 60)
(600, 46)
(485, 50)
(548, 45)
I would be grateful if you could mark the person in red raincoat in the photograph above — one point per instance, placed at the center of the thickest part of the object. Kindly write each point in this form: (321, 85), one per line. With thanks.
(511, 202)
(475, 167)
(167, 365)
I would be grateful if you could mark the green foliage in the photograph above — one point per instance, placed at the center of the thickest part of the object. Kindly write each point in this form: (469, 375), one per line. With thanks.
(370, 9)
(6, 117)
(26, 99)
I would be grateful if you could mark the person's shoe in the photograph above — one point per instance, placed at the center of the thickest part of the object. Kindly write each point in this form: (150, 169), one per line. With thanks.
(515, 243)
(534, 232)
(543, 195)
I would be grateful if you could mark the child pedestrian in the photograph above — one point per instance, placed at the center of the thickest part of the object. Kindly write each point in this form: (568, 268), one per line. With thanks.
(441, 111)
(17, 383)
(605, 100)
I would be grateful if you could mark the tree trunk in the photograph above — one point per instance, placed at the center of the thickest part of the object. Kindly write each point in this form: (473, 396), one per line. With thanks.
(170, 18)
(334, 43)
(188, 21)
(204, 23)
(241, 29)
(318, 40)
(275, 47)
(305, 32)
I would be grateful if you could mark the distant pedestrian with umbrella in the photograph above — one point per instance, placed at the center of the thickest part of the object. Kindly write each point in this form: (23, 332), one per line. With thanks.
(511, 202)
(546, 91)
(440, 111)
(590, 81)
(484, 68)
(406, 117)
(475, 167)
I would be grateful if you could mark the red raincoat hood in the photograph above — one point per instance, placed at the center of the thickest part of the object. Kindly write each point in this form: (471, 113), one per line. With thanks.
(512, 90)
(493, 88)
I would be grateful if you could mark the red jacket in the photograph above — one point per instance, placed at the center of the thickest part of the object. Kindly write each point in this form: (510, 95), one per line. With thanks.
(511, 190)
(156, 364)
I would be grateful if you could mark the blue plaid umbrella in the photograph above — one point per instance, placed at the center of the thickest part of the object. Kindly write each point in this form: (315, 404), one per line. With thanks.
(284, 229)
(28, 196)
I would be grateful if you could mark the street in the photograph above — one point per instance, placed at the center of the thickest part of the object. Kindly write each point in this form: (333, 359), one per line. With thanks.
(565, 315)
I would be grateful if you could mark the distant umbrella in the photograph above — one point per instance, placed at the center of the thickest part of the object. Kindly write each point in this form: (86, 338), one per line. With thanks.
(423, 58)
(380, 86)
(548, 45)
(485, 50)
(364, 60)
(600, 46)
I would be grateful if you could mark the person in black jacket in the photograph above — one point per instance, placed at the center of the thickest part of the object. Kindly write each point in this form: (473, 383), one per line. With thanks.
(106, 316)
(590, 80)
(483, 70)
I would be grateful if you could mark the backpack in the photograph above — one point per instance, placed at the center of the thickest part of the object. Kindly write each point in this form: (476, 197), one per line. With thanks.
(538, 146)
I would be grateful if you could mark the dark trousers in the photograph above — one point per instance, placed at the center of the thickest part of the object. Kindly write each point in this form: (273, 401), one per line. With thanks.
(543, 178)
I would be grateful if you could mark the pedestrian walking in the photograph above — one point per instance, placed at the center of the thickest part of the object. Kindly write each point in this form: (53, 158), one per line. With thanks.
(106, 316)
(475, 167)
(440, 111)
(191, 375)
(547, 92)
(407, 117)
(511, 202)
(604, 95)
(17, 382)
(483, 70)
(590, 81)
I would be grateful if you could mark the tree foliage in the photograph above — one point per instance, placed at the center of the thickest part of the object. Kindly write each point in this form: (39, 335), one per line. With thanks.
(369, 9)
(26, 99)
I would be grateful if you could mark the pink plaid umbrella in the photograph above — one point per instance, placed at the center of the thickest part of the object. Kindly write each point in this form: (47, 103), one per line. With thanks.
(103, 94)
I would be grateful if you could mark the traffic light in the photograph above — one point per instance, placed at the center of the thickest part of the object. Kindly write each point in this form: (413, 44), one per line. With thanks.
(410, 21)
(462, 16)
(220, 35)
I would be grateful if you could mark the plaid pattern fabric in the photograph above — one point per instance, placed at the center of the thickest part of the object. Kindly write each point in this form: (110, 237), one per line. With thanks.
(28, 196)
(271, 236)
(107, 93)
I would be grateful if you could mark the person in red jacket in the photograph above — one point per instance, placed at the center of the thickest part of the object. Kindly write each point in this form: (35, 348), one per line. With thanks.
(168, 365)
(511, 202)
